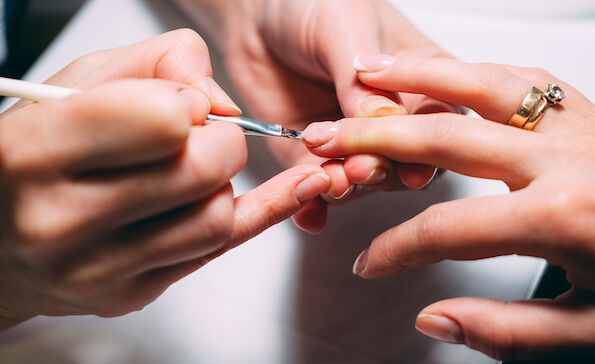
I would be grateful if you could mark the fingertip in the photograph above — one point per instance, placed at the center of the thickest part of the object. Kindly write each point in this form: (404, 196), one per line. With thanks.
(416, 176)
(371, 63)
(197, 102)
(340, 188)
(312, 217)
(221, 102)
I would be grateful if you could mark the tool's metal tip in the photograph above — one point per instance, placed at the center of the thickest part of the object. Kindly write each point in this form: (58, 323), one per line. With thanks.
(291, 134)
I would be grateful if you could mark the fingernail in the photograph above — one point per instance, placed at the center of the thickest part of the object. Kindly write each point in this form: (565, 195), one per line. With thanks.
(378, 106)
(373, 62)
(431, 178)
(376, 176)
(222, 97)
(330, 198)
(312, 186)
(440, 328)
(361, 261)
(318, 134)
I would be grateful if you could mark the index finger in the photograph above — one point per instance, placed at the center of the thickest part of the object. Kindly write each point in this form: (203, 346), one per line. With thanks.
(469, 146)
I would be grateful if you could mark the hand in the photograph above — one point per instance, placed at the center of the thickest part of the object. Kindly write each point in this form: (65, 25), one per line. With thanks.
(291, 61)
(109, 196)
(549, 214)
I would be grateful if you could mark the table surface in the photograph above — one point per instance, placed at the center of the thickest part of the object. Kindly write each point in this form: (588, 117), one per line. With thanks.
(285, 297)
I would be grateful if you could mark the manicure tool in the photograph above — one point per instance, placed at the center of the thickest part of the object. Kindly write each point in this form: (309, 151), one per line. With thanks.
(35, 91)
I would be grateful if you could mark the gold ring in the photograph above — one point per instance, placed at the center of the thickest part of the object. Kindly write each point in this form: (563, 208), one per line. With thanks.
(537, 114)
(534, 106)
(526, 109)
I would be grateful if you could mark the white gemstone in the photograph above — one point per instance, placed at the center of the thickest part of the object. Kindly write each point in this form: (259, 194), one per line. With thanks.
(555, 93)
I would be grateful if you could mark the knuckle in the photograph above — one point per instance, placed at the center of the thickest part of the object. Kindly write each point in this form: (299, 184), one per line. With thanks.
(441, 133)
(540, 76)
(427, 230)
(219, 225)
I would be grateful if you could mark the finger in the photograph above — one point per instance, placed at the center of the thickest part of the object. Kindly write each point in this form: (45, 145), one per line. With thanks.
(470, 146)
(180, 55)
(182, 235)
(213, 154)
(519, 330)
(341, 188)
(472, 85)
(116, 125)
(416, 176)
(312, 217)
(356, 99)
(449, 231)
(276, 200)
(256, 210)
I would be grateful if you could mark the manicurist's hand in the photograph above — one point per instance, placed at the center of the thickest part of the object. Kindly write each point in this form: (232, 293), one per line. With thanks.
(550, 212)
(109, 196)
(291, 61)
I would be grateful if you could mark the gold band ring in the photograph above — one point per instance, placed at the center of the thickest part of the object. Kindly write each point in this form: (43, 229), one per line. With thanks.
(534, 106)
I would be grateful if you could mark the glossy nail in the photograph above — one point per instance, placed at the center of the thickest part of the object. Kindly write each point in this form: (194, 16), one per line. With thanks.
(222, 98)
(373, 62)
(440, 328)
(378, 106)
(361, 262)
(318, 134)
(312, 186)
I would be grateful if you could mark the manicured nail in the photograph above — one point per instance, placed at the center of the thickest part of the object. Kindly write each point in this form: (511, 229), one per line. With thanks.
(378, 106)
(318, 134)
(222, 97)
(373, 62)
(376, 176)
(440, 328)
(361, 261)
(312, 186)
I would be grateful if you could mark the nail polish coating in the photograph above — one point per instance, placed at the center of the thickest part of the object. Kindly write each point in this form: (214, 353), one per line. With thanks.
(378, 106)
(312, 186)
(361, 262)
(440, 328)
(372, 62)
(318, 134)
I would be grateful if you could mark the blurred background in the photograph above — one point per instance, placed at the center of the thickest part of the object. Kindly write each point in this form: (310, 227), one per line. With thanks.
(33, 27)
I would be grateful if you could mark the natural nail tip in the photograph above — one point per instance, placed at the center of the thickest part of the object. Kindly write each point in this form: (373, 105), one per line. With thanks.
(440, 328)
(372, 62)
(361, 262)
(357, 64)
(377, 175)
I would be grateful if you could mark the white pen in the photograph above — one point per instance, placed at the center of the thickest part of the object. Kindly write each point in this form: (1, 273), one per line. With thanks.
(35, 91)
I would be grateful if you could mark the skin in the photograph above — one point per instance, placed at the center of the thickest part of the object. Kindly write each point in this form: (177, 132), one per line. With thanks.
(550, 212)
(289, 49)
(109, 196)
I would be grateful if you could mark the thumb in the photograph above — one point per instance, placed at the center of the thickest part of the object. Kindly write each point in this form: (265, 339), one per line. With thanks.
(181, 56)
(518, 330)
(358, 26)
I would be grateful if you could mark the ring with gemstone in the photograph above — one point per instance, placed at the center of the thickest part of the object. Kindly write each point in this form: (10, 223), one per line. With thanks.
(534, 106)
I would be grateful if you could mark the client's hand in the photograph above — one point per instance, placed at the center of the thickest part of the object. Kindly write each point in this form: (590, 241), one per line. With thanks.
(291, 61)
(549, 214)
(109, 196)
